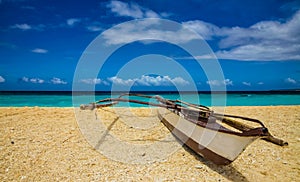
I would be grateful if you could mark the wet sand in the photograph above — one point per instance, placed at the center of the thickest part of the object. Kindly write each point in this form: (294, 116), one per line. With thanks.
(47, 144)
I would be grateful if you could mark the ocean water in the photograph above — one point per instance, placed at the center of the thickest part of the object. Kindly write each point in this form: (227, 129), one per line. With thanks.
(229, 99)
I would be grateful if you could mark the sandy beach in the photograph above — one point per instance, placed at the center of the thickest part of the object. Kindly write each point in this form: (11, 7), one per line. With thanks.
(47, 144)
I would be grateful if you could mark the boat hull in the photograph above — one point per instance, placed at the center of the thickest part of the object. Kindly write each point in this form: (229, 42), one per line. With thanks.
(219, 147)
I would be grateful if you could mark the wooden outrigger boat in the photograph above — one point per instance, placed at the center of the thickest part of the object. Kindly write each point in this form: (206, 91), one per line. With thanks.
(199, 128)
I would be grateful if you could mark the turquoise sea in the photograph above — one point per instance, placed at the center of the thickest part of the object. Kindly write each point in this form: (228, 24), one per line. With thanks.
(65, 99)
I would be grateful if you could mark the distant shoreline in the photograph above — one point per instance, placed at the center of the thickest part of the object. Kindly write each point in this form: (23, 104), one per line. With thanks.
(63, 99)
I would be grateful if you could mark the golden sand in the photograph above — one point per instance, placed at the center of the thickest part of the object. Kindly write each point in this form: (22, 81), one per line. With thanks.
(46, 144)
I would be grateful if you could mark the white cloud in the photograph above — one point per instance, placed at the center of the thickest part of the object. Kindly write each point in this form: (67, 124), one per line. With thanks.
(206, 30)
(179, 81)
(219, 82)
(260, 83)
(57, 81)
(73, 21)
(33, 80)
(246, 83)
(25, 79)
(120, 81)
(40, 81)
(160, 81)
(94, 81)
(26, 27)
(22, 26)
(290, 80)
(150, 14)
(131, 10)
(39, 51)
(265, 40)
(205, 56)
(146, 80)
(2, 80)
(36, 80)
(94, 28)
(148, 29)
(228, 82)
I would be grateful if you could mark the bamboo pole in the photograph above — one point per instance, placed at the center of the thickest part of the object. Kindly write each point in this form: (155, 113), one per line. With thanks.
(244, 127)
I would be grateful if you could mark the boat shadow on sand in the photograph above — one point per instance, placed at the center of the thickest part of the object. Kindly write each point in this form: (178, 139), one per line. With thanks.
(228, 171)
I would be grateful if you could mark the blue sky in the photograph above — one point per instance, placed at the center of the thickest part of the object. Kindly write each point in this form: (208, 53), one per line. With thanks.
(257, 44)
